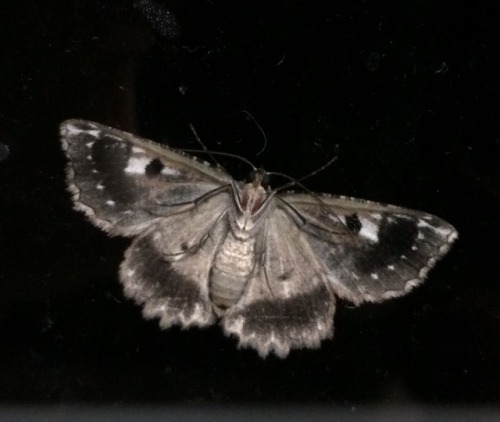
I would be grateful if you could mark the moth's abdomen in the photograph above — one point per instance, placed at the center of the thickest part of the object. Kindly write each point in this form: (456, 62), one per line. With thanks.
(230, 271)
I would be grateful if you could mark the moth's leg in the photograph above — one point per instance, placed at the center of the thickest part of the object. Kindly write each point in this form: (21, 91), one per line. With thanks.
(308, 225)
(198, 200)
(207, 235)
(260, 262)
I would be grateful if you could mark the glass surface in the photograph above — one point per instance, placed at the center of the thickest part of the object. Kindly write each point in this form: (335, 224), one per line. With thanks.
(406, 95)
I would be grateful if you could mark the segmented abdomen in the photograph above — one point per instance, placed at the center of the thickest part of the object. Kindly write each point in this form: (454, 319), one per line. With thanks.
(231, 270)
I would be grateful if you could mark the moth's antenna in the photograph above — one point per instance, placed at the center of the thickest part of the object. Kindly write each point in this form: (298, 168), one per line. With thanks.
(307, 176)
(297, 182)
(261, 131)
(207, 151)
(223, 154)
(212, 153)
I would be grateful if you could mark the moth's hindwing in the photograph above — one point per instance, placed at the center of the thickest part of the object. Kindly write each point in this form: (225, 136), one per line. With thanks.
(288, 302)
(167, 268)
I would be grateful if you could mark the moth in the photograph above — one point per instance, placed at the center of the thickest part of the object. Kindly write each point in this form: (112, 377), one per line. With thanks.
(268, 265)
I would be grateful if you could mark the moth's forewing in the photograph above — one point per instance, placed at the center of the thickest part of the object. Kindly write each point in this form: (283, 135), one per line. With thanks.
(123, 183)
(383, 251)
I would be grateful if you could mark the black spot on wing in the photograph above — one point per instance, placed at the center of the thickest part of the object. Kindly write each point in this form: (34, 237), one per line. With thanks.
(285, 276)
(154, 168)
(396, 236)
(353, 223)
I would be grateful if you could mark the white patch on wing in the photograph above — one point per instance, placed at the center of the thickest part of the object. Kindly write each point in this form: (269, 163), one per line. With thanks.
(138, 150)
(137, 165)
(369, 230)
(94, 133)
(445, 232)
(167, 171)
(442, 231)
(286, 291)
(338, 217)
(73, 130)
(110, 203)
(116, 138)
(422, 223)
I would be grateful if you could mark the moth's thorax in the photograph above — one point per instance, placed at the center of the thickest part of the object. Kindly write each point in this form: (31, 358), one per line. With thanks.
(251, 199)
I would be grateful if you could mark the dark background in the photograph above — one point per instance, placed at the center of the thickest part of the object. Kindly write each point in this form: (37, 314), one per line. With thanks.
(406, 94)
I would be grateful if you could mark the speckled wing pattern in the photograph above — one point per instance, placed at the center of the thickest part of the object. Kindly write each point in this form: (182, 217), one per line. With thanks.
(267, 265)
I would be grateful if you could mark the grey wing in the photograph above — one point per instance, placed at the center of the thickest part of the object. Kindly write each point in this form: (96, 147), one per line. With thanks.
(166, 269)
(123, 183)
(287, 303)
(370, 251)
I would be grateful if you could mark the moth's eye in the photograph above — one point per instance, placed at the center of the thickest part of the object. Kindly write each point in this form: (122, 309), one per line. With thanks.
(251, 177)
(259, 175)
(154, 168)
(353, 224)
(265, 179)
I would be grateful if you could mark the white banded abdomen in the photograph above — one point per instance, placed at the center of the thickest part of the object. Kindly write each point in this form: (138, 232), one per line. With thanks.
(231, 270)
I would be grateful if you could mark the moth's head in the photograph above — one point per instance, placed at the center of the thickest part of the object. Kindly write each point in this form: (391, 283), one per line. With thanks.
(258, 177)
